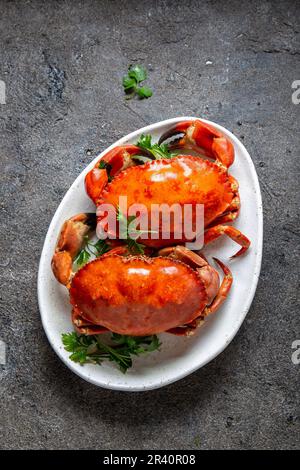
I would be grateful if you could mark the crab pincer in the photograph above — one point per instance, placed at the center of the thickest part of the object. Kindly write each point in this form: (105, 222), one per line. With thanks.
(198, 135)
(111, 164)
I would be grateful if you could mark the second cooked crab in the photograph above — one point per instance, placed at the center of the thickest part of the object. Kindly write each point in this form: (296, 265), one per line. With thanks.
(137, 295)
(183, 179)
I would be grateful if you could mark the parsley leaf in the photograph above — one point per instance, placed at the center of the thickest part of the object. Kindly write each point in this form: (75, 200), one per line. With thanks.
(131, 82)
(104, 165)
(83, 257)
(135, 247)
(101, 247)
(128, 83)
(145, 141)
(89, 249)
(80, 346)
(70, 341)
(137, 72)
(158, 151)
(90, 349)
(144, 92)
(130, 236)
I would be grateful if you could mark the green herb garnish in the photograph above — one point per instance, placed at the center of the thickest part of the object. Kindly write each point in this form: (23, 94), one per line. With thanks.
(158, 151)
(131, 82)
(104, 165)
(90, 349)
(130, 236)
(83, 257)
(89, 249)
(134, 247)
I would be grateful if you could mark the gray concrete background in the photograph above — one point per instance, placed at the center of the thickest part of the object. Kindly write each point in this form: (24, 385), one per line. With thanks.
(62, 62)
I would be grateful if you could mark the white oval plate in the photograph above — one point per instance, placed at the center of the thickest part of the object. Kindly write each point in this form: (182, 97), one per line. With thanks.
(177, 357)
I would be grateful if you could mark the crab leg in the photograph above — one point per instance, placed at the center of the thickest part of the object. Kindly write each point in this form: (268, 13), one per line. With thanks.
(186, 330)
(225, 218)
(233, 210)
(185, 255)
(223, 291)
(85, 327)
(218, 230)
(95, 182)
(70, 242)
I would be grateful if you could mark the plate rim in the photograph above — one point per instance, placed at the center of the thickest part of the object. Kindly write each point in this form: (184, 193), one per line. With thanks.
(255, 276)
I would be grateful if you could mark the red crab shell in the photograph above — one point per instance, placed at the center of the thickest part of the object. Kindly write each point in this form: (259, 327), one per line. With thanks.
(137, 295)
(183, 179)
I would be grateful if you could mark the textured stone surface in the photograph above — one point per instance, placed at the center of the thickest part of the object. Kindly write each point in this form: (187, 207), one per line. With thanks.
(62, 63)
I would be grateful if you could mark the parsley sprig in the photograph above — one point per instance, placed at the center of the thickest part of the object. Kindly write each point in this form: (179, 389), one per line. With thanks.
(90, 349)
(131, 82)
(91, 249)
(158, 151)
(130, 235)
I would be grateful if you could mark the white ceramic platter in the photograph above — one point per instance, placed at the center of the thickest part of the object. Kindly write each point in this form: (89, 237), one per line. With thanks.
(177, 357)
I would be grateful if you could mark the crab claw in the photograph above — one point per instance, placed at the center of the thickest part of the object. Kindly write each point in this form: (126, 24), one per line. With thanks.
(70, 242)
(197, 135)
(95, 182)
(112, 163)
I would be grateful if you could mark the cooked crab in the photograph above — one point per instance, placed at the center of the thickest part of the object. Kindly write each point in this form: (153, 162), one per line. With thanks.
(183, 179)
(137, 295)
